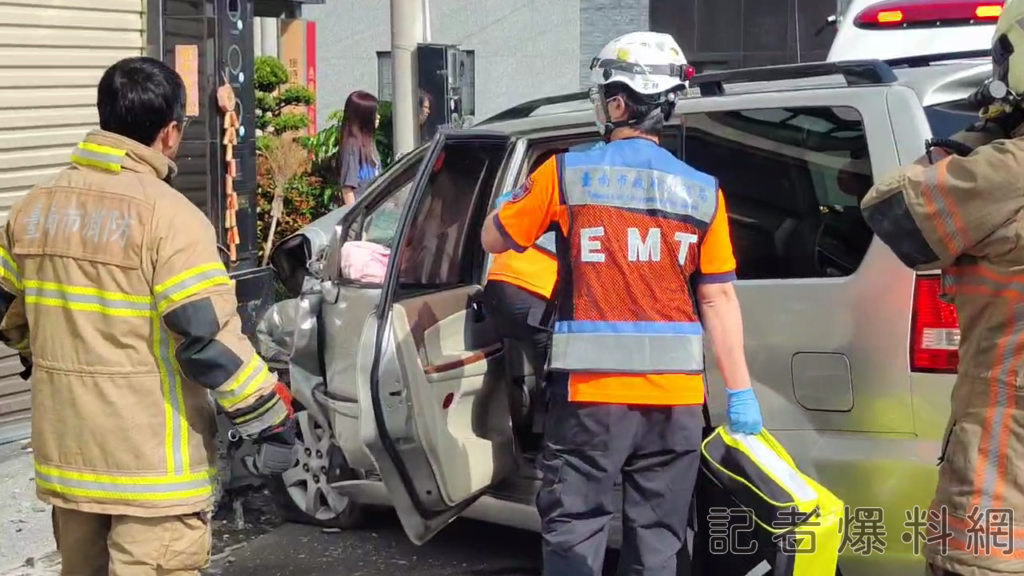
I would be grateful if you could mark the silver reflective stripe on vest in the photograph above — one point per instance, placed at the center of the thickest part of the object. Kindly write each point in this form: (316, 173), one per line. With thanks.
(628, 347)
(546, 242)
(129, 488)
(265, 418)
(641, 189)
(98, 156)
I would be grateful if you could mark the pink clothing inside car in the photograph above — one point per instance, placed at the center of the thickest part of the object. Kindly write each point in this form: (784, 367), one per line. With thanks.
(364, 261)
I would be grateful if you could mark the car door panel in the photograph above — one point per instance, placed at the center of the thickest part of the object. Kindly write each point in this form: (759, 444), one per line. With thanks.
(462, 409)
(434, 412)
(331, 311)
(346, 311)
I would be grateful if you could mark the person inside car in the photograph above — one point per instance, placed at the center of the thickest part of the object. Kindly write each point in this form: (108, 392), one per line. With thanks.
(518, 296)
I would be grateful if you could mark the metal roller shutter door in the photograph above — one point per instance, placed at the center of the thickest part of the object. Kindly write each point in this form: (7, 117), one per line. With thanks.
(52, 54)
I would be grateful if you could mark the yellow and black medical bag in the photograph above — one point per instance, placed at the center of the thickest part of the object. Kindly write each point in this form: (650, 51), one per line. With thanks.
(758, 515)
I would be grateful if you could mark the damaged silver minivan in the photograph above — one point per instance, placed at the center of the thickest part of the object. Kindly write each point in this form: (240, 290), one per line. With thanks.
(407, 397)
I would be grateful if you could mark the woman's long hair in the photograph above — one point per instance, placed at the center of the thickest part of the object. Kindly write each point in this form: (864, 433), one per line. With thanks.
(358, 126)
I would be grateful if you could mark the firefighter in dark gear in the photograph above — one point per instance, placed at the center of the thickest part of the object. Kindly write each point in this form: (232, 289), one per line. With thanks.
(645, 263)
(113, 291)
(959, 209)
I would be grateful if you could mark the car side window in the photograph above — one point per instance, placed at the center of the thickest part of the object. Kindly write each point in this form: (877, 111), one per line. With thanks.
(435, 249)
(670, 139)
(949, 118)
(379, 221)
(794, 205)
(375, 221)
(381, 224)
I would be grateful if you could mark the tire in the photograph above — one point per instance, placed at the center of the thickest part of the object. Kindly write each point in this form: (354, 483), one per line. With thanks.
(303, 494)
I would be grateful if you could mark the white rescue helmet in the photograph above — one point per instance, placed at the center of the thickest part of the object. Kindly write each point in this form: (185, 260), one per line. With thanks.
(1008, 47)
(650, 63)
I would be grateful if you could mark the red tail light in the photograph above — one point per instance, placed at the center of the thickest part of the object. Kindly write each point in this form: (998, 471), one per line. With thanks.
(934, 329)
(929, 13)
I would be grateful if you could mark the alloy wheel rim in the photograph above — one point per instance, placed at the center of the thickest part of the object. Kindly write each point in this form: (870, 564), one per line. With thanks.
(308, 482)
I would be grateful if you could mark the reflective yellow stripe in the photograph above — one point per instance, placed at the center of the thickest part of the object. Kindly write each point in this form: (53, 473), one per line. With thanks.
(9, 269)
(130, 488)
(189, 283)
(244, 384)
(87, 299)
(176, 425)
(99, 156)
(266, 418)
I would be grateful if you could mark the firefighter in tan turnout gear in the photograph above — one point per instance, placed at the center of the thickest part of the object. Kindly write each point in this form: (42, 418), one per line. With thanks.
(113, 291)
(960, 209)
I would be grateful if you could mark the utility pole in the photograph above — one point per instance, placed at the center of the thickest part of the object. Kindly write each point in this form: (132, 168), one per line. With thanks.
(406, 32)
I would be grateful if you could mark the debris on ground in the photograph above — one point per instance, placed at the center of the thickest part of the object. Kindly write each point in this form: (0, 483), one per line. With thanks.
(241, 517)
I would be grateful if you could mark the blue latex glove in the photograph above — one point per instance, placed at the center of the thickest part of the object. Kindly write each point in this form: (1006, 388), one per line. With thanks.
(744, 412)
(505, 196)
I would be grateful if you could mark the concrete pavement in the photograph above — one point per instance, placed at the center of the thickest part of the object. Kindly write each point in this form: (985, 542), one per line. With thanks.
(465, 548)
(24, 521)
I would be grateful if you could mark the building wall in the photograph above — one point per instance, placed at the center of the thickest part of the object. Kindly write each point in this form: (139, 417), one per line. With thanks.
(724, 34)
(602, 20)
(524, 49)
(52, 55)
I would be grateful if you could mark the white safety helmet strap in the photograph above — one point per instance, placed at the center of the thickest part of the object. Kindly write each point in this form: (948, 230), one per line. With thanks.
(608, 66)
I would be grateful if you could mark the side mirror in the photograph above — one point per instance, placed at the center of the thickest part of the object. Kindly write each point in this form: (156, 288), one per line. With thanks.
(290, 260)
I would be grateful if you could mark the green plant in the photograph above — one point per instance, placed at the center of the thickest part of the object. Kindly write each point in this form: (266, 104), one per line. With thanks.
(385, 134)
(305, 199)
(323, 146)
(274, 99)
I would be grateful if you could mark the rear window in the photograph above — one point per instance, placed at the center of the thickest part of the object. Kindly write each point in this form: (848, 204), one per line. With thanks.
(792, 179)
(949, 118)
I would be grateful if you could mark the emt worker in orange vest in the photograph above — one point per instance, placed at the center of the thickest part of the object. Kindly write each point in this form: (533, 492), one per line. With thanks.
(645, 263)
(114, 294)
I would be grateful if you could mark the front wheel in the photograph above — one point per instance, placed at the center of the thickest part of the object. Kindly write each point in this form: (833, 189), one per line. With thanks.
(304, 494)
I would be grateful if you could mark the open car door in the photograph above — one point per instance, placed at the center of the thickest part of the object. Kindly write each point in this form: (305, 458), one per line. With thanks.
(434, 411)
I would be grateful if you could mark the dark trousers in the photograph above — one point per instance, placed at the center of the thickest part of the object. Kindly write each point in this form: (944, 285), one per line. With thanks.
(518, 315)
(586, 448)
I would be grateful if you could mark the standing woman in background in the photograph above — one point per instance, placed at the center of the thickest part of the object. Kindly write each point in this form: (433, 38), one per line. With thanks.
(358, 159)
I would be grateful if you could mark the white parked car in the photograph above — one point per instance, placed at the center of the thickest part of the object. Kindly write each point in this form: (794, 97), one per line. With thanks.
(891, 29)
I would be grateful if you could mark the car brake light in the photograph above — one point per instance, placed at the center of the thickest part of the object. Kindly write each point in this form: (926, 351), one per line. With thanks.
(906, 13)
(934, 329)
